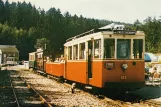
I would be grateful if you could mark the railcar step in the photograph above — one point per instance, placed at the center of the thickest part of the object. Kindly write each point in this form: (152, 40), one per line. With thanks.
(88, 87)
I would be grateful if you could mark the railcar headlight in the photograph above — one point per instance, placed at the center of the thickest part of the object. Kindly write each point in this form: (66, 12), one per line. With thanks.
(134, 63)
(124, 66)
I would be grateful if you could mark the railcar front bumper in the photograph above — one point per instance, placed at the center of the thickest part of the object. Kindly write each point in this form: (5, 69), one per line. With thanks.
(125, 85)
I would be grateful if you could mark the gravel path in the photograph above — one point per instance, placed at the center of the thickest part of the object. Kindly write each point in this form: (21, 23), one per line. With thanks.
(61, 96)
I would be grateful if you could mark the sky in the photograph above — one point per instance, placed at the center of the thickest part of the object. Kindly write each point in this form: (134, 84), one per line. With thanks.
(116, 10)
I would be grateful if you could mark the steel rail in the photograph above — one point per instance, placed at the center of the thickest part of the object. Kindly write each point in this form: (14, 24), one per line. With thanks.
(44, 101)
(18, 105)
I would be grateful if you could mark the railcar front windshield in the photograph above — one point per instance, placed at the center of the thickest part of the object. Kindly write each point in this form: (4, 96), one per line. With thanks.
(123, 48)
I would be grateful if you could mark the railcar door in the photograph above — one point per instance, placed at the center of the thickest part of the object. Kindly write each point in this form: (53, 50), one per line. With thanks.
(0, 59)
(89, 59)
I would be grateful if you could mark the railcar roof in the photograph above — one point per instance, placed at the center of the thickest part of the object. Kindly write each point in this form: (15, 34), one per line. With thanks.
(122, 32)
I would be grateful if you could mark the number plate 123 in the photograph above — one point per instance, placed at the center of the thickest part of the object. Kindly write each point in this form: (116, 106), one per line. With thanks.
(123, 77)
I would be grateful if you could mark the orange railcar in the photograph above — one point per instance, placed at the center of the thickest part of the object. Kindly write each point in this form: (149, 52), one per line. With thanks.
(55, 69)
(104, 59)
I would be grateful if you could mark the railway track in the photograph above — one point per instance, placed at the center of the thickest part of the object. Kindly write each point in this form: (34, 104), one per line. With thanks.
(15, 92)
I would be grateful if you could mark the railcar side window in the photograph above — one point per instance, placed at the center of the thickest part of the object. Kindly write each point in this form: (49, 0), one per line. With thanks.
(109, 48)
(82, 51)
(75, 52)
(31, 57)
(65, 52)
(137, 48)
(123, 48)
(70, 53)
(97, 48)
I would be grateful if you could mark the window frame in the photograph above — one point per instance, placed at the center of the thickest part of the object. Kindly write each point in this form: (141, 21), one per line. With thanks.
(70, 53)
(75, 52)
(114, 55)
(99, 48)
(142, 54)
(79, 51)
(128, 51)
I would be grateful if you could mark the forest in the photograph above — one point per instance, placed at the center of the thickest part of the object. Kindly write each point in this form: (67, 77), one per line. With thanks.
(28, 27)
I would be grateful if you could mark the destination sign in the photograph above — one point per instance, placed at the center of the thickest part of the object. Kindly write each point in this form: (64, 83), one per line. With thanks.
(125, 32)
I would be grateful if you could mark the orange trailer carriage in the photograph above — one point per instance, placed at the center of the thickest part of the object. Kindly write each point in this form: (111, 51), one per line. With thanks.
(103, 59)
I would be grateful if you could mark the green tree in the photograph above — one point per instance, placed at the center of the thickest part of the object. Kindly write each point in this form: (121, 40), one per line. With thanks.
(1, 11)
(153, 34)
(41, 43)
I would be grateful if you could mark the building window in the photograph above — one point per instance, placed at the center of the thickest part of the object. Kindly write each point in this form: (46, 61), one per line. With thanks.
(82, 51)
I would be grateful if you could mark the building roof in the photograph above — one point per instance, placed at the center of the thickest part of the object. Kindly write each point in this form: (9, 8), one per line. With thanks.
(8, 48)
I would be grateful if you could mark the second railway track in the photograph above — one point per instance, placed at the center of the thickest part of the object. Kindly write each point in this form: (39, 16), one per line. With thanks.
(15, 92)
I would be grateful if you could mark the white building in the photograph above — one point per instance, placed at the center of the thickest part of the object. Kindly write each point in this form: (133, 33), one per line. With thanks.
(8, 52)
